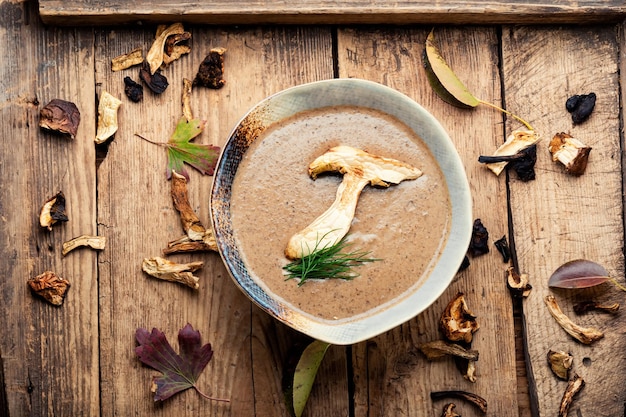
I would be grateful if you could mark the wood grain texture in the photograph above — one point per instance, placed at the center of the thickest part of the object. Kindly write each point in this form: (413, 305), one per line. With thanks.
(98, 12)
(391, 376)
(136, 212)
(47, 351)
(557, 217)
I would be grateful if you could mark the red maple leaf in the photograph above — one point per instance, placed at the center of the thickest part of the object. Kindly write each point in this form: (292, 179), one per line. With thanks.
(180, 372)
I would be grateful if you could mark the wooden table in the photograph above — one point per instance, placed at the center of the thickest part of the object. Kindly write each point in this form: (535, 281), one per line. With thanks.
(79, 359)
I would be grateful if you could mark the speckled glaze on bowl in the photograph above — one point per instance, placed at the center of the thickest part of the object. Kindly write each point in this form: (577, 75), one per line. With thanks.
(352, 92)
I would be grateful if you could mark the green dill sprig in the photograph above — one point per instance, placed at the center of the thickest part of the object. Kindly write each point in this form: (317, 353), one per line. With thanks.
(327, 263)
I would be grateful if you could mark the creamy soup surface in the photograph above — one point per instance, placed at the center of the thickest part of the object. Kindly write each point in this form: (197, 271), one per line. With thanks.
(273, 197)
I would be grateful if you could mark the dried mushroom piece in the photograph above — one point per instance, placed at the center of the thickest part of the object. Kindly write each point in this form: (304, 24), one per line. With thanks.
(107, 117)
(190, 221)
(581, 106)
(448, 411)
(503, 247)
(560, 363)
(186, 99)
(586, 335)
(438, 349)
(184, 244)
(50, 286)
(573, 387)
(60, 116)
(53, 211)
(211, 71)
(154, 57)
(175, 47)
(479, 243)
(156, 82)
(94, 242)
(517, 141)
(457, 322)
(523, 162)
(475, 399)
(171, 271)
(125, 61)
(571, 152)
(585, 306)
(518, 283)
(133, 90)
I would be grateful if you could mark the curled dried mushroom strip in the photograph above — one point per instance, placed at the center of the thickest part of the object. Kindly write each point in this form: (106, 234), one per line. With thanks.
(586, 335)
(94, 242)
(470, 397)
(573, 387)
(439, 349)
(125, 61)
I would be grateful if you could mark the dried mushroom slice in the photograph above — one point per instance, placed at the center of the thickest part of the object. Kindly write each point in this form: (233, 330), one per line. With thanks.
(516, 142)
(560, 363)
(571, 152)
(585, 306)
(50, 287)
(573, 387)
(457, 322)
(60, 116)
(448, 411)
(53, 211)
(470, 397)
(94, 242)
(107, 117)
(211, 71)
(438, 349)
(125, 61)
(518, 283)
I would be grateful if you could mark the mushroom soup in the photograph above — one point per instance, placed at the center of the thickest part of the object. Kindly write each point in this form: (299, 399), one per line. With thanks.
(405, 226)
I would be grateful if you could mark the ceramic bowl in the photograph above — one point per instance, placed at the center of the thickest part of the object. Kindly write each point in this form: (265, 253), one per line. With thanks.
(343, 92)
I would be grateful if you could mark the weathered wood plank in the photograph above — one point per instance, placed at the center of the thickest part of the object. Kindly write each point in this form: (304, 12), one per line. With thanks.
(98, 12)
(47, 352)
(557, 217)
(135, 210)
(391, 376)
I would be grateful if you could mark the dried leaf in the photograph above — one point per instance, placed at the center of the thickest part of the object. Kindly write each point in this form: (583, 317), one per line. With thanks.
(155, 54)
(128, 60)
(60, 116)
(306, 370)
(443, 80)
(180, 372)
(107, 117)
(579, 273)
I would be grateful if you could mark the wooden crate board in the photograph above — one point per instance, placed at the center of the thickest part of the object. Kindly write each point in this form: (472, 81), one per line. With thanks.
(97, 12)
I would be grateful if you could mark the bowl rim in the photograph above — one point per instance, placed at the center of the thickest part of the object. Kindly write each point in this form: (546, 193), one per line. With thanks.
(362, 326)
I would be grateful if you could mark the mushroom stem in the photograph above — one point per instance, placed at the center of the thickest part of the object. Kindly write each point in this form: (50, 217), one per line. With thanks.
(359, 168)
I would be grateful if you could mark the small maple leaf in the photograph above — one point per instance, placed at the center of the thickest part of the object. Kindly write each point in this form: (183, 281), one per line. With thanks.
(180, 372)
(181, 150)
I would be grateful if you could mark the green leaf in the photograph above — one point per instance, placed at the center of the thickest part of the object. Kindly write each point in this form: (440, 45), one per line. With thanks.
(306, 370)
(181, 151)
(443, 80)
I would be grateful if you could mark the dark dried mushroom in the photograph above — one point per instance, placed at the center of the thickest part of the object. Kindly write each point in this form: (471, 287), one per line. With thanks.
(573, 387)
(464, 264)
(448, 411)
(518, 283)
(523, 162)
(475, 399)
(479, 243)
(571, 152)
(586, 306)
(517, 141)
(503, 247)
(60, 116)
(53, 211)
(211, 70)
(50, 286)
(133, 90)
(560, 362)
(155, 82)
(581, 106)
(457, 322)
(438, 349)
